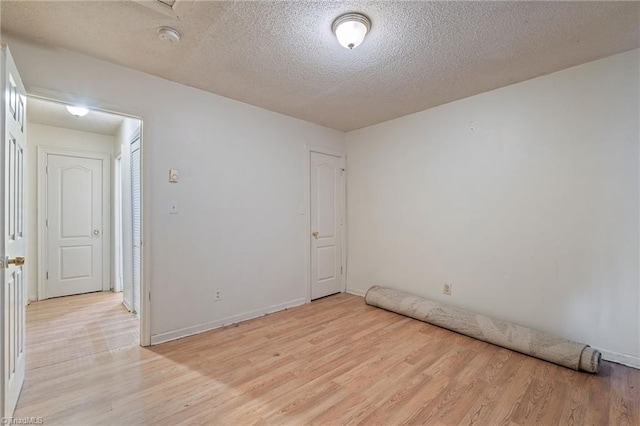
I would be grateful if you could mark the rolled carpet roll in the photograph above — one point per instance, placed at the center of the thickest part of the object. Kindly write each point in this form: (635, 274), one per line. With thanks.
(525, 340)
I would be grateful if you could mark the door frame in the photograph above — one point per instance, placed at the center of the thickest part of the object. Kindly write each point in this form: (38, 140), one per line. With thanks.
(145, 285)
(42, 203)
(306, 210)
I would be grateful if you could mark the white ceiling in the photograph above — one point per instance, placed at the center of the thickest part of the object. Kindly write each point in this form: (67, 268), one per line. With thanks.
(56, 114)
(282, 55)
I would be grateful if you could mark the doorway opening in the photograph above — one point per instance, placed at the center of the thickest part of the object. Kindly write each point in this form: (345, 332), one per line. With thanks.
(85, 212)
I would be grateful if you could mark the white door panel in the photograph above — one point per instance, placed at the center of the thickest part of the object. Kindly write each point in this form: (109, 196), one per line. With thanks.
(75, 225)
(12, 116)
(326, 225)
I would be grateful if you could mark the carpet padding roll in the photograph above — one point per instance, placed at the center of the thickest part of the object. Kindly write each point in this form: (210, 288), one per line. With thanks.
(536, 343)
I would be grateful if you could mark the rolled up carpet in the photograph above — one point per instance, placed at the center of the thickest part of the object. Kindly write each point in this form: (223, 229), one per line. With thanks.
(525, 340)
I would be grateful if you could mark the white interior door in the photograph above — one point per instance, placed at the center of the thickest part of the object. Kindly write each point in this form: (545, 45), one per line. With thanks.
(75, 225)
(136, 209)
(13, 235)
(326, 225)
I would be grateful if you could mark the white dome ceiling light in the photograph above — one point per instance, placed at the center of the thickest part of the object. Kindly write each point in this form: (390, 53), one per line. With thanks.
(168, 34)
(350, 29)
(78, 111)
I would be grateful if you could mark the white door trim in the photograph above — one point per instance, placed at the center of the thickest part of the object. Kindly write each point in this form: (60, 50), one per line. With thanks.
(43, 152)
(306, 238)
(145, 258)
(145, 285)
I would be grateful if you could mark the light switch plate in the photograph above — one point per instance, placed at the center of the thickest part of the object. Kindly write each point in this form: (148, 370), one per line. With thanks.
(174, 176)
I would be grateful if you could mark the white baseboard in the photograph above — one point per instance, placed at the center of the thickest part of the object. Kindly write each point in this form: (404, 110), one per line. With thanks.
(200, 328)
(356, 292)
(624, 359)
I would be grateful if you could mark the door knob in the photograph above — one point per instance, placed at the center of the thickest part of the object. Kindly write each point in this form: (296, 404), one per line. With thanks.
(315, 234)
(96, 232)
(18, 261)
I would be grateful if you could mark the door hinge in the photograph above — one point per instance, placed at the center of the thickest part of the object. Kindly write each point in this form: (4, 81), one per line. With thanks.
(46, 169)
(46, 223)
(341, 270)
(47, 274)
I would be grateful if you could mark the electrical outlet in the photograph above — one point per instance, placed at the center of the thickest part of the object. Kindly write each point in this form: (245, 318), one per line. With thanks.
(173, 207)
(217, 296)
(446, 289)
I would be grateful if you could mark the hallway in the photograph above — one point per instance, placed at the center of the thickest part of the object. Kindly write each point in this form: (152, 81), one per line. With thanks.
(66, 337)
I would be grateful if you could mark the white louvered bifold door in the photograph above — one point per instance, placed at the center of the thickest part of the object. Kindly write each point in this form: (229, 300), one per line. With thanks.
(136, 221)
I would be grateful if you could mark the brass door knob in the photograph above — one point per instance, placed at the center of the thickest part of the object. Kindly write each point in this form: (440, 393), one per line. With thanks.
(315, 234)
(96, 232)
(18, 261)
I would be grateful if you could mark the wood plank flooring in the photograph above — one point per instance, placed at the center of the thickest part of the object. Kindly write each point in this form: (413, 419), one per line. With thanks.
(334, 361)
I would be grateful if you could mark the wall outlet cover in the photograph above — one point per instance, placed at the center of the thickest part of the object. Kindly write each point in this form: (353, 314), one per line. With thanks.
(446, 289)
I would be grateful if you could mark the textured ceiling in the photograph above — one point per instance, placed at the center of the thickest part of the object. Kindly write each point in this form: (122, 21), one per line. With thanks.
(282, 56)
(56, 114)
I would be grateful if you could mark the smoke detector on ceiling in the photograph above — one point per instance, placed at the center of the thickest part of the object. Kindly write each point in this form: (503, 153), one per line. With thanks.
(168, 34)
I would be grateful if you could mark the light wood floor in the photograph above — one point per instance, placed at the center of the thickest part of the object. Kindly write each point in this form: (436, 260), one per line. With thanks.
(334, 361)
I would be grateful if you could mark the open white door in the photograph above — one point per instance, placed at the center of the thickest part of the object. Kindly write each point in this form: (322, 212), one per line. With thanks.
(12, 116)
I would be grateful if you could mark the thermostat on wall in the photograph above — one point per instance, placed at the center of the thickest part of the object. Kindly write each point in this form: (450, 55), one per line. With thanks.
(173, 175)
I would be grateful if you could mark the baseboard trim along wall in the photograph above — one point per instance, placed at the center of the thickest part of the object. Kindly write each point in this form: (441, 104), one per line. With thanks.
(201, 328)
(356, 292)
(624, 359)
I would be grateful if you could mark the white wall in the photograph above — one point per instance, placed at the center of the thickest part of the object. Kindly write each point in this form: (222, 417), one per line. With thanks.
(52, 137)
(524, 198)
(239, 228)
